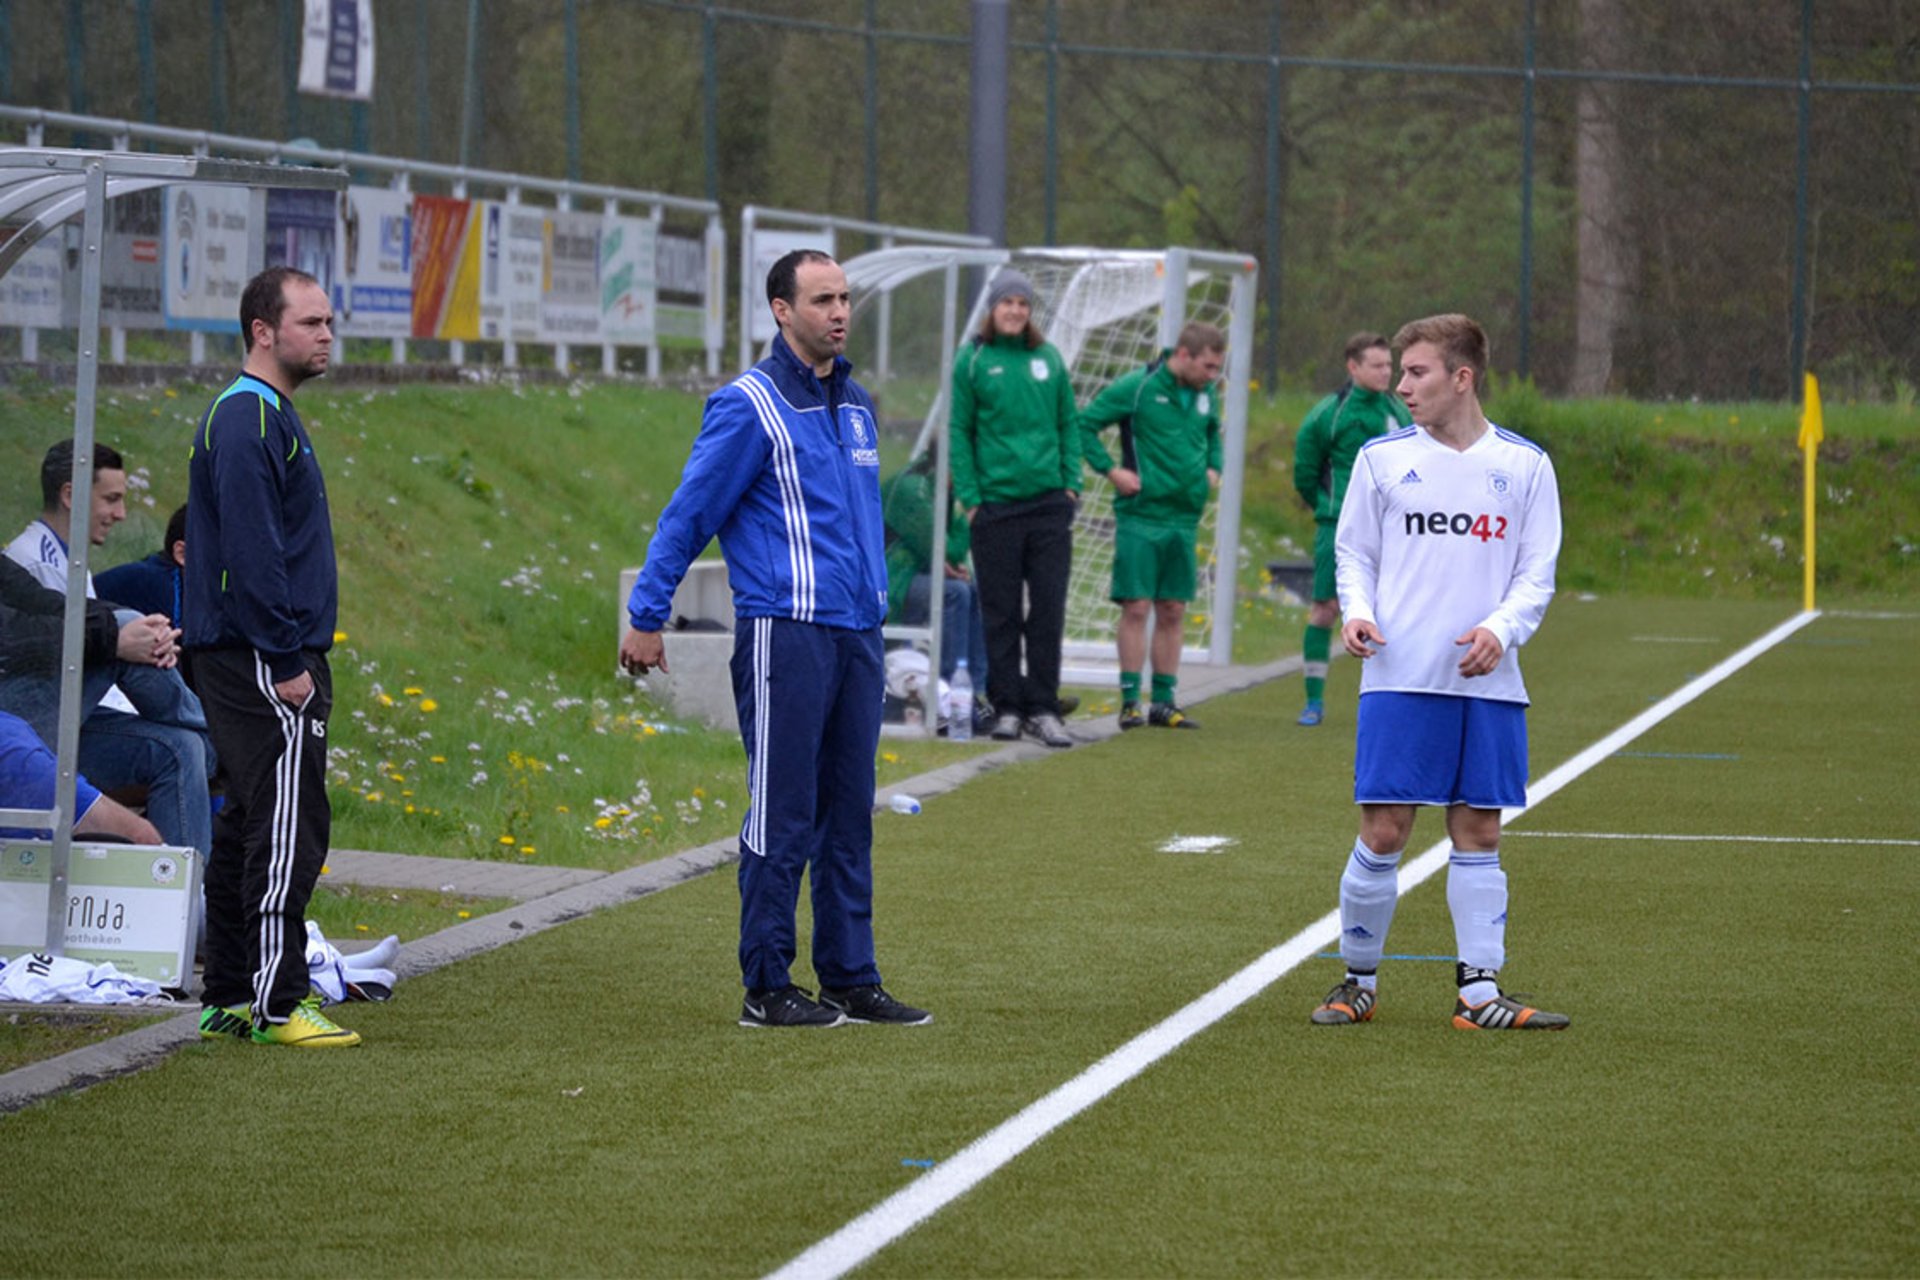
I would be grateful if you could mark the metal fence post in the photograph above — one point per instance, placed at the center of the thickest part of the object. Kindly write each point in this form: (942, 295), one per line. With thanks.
(1525, 303)
(1797, 341)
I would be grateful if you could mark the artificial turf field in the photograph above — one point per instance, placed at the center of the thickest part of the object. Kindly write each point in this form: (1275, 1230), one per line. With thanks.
(1735, 1097)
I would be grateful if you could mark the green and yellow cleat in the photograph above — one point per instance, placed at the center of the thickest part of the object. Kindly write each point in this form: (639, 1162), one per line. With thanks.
(307, 1028)
(225, 1022)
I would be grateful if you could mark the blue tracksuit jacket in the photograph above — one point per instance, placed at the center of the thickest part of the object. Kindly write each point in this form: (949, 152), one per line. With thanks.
(786, 471)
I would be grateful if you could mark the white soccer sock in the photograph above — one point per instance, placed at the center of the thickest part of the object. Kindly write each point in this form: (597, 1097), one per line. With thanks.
(1477, 896)
(1369, 890)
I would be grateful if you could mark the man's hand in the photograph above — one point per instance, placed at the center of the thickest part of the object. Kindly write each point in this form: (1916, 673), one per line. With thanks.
(296, 691)
(1126, 483)
(643, 651)
(957, 571)
(150, 642)
(1484, 652)
(1361, 637)
(1213, 478)
(109, 818)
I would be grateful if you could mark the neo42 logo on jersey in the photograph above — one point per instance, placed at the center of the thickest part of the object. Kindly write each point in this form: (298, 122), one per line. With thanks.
(1460, 524)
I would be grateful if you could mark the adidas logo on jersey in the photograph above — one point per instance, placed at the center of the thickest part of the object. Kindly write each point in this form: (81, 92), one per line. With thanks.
(1412, 477)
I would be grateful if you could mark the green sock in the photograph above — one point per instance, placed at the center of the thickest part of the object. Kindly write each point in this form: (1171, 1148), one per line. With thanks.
(1163, 688)
(1129, 687)
(1314, 648)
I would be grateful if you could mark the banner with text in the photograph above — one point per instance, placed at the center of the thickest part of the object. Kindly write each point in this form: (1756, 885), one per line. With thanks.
(373, 287)
(205, 255)
(336, 49)
(627, 297)
(769, 246)
(446, 268)
(30, 291)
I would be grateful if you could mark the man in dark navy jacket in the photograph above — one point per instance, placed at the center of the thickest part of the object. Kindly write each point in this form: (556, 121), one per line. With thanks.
(786, 471)
(261, 601)
(152, 585)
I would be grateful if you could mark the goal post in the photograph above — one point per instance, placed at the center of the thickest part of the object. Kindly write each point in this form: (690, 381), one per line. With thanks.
(1108, 311)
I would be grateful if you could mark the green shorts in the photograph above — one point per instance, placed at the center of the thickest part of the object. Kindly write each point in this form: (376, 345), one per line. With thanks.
(1325, 585)
(1153, 561)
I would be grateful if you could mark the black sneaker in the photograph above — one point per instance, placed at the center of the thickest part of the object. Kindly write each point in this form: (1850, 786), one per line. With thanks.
(788, 1006)
(1165, 715)
(1347, 1004)
(873, 1004)
(1131, 716)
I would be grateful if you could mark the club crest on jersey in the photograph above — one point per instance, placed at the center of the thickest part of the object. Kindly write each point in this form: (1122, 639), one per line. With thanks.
(864, 454)
(1040, 371)
(1500, 484)
(1203, 405)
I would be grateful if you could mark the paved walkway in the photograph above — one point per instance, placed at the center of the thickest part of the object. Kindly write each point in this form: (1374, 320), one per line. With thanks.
(545, 897)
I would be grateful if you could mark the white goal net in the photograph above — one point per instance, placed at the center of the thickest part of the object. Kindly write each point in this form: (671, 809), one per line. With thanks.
(1108, 312)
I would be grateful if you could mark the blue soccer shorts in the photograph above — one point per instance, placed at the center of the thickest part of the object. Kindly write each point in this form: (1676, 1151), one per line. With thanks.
(1433, 748)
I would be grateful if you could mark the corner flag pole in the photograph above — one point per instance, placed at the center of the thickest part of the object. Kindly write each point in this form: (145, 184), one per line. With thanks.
(1812, 432)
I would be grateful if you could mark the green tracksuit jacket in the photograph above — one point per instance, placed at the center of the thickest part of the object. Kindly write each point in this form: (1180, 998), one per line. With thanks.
(1169, 434)
(906, 502)
(1013, 433)
(1329, 440)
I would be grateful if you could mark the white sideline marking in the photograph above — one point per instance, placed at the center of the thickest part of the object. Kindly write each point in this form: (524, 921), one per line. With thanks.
(1714, 839)
(865, 1236)
(1198, 844)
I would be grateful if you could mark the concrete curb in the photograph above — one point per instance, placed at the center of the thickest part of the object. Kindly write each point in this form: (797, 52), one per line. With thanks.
(123, 1055)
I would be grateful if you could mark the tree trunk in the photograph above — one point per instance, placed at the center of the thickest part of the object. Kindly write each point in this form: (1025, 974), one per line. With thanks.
(1608, 260)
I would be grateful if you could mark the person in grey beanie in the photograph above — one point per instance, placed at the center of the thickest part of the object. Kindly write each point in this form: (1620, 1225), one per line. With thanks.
(1016, 473)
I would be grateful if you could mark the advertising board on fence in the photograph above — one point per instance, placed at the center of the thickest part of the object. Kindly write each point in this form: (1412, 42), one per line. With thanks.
(303, 232)
(373, 289)
(30, 292)
(627, 298)
(131, 905)
(206, 256)
(129, 267)
(570, 289)
(446, 268)
(512, 255)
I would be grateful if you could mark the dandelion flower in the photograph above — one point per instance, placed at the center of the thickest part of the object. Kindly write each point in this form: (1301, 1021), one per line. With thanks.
(437, 759)
(466, 915)
(360, 928)
(428, 704)
(507, 840)
(386, 699)
(603, 823)
(413, 691)
(339, 637)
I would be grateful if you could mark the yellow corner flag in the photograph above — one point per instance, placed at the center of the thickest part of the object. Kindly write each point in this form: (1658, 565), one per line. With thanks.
(1812, 431)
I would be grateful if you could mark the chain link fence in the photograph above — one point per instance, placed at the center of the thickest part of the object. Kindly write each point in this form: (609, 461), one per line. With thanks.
(1636, 197)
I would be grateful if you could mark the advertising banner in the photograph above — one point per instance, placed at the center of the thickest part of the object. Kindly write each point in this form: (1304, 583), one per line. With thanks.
(627, 299)
(373, 288)
(205, 256)
(30, 292)
(570, 291)
(336, 49)
(769, 246)
(446, 268)
(131, 906)
(129, 267)
(302, 231)
(512, 259)
(680, 288)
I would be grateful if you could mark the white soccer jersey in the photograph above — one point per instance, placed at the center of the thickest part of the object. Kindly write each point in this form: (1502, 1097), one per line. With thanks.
(1434, 541)
(40, 552)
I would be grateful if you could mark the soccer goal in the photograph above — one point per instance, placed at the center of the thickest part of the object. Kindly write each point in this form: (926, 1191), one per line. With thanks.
(1109, 311)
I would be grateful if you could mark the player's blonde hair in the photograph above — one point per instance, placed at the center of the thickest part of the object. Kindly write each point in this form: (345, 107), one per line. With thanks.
(1461, 341)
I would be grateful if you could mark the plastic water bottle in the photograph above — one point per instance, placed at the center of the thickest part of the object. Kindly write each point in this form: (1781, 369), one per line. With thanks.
(960, 705)
(901, 802)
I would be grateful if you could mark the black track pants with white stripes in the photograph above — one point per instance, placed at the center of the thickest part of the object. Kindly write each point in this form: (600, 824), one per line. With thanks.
(270, 837)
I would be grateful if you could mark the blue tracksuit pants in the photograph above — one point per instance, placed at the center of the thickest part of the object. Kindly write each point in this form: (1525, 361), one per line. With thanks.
(809, 698)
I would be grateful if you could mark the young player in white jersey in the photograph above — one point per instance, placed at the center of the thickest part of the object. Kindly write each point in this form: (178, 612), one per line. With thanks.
(1445, 558)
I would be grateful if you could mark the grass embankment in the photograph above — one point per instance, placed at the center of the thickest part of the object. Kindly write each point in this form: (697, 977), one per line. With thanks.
(482, 530)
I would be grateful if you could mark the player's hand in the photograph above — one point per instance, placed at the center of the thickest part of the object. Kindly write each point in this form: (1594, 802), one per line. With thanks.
(1361, 638)
(1213, 478)
(1126, 483)
(296, 691)
(643, 651)
(151, 641)
(1484, 652)
(957, 571)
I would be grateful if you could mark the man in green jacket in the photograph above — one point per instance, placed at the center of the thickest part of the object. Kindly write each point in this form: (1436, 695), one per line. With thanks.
(1016, 472)
(1323, 452)
(906, 503)
(1169, 419)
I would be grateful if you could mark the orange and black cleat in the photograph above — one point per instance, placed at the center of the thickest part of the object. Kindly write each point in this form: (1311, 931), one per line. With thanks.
(1345, 1005)
(1504, 1013)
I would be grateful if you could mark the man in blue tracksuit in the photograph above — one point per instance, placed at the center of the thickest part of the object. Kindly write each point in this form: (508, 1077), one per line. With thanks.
(786, 471)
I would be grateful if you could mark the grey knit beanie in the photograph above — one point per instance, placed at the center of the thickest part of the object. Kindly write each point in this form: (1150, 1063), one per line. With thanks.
(1008, 283)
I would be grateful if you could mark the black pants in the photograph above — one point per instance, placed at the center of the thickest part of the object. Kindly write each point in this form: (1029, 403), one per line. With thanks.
(1022, 554)
(270, 838)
